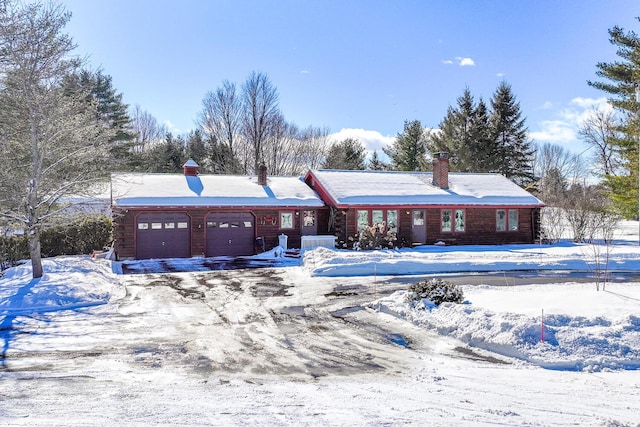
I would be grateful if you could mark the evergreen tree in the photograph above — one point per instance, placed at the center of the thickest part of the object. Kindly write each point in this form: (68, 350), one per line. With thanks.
(375, 163)
(622, 79)
(483, 146)
(456, 134)
(408, 151)
(166, 157)
(348, 154)
(111, 111)
(222, 160)
(196, 149)
(513, 149)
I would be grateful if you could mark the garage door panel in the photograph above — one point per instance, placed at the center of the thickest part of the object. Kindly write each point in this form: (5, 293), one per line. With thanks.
(230, 234)
(163, 235)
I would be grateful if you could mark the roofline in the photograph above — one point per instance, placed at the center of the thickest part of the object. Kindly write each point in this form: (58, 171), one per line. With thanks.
(435, 205)
(322, 192)
(209, 207)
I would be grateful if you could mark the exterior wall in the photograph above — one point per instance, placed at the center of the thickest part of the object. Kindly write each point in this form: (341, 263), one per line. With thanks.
(480, 226)
(267, 226)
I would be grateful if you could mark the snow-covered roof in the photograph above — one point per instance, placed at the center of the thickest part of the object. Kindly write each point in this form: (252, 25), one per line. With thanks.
(379, 188)
(136, 189)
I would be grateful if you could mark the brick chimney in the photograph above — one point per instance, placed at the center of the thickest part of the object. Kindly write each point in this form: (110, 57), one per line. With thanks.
(262, 174)
(190, 168)
(441, 170)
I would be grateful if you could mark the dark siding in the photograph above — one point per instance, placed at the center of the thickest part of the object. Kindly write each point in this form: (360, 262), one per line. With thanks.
(124, 220)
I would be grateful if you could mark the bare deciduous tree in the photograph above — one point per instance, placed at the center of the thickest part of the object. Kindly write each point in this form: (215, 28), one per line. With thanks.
(279, 151)
(52, 144)
(146, 129)
(313, 151)
(599, 131)
(220, 117)
(260, 110)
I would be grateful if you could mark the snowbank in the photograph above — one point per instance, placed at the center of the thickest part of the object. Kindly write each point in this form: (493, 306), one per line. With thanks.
(462, 259)
(569, 326)
(68, 283)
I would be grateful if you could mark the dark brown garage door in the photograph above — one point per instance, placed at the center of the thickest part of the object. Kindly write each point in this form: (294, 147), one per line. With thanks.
(230, 234)
(163, 235)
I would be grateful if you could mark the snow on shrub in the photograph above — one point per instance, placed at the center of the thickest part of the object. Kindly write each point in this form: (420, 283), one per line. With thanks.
(376, 236)
(436, 291)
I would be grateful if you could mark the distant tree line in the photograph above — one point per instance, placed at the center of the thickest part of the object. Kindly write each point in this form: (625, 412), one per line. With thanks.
(64, 128)
(478, 139)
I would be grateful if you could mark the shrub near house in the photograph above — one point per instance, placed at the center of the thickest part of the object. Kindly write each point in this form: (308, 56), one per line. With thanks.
(78, 238)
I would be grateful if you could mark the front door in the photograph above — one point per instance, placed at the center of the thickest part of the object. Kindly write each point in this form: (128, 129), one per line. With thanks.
(418, 227)
(309, 222)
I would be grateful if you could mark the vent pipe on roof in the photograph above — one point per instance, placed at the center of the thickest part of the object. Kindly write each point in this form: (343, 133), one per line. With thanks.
(262, 174)
(190, 168)
(441, 170)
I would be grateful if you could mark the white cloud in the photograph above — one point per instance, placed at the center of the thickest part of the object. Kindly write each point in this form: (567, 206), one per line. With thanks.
(371, 139)
(556, 131)
(305, 72)
(461, 61)
(501, 75)
(591, 103)
(171, 127)
(465, 62)
(563, 128)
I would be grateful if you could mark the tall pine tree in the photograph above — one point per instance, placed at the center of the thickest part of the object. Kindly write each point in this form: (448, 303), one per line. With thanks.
(456, 134)
(407, 153)
(483, 146)
(112, 111)
(622, 80)
(376, 163)
(347, 154)
(513, 148)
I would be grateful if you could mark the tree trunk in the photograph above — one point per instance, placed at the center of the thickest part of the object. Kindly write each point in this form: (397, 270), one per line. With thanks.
(34, 252)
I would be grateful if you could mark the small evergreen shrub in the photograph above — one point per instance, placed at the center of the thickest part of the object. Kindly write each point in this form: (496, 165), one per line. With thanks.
(80, 237)
(12, 250)
(373, 237)
(435, 290)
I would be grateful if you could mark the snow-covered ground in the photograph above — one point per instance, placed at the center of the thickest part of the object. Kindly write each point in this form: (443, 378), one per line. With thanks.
(328, 340)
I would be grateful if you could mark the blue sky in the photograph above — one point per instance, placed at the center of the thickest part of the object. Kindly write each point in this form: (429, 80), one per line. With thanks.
(365, 66)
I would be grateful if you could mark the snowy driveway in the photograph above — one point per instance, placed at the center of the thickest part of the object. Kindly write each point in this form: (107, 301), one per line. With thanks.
(263, 347)
(258, 322)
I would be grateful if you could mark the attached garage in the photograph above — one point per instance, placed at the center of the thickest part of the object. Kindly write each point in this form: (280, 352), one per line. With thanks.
(163, 235)
(230, 234)
(193, 215)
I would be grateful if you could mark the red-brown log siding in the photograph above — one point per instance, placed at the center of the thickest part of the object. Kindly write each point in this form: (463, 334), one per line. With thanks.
(480, 226)
(267, 226)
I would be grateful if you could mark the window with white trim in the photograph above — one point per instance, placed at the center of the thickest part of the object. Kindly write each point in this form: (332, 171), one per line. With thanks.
(286, 220)
(363, 219)
(377, 217)
(506, 219)
(513, 220)
(452, 220)
(392, 221)
(446, 220)
(459, 220)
